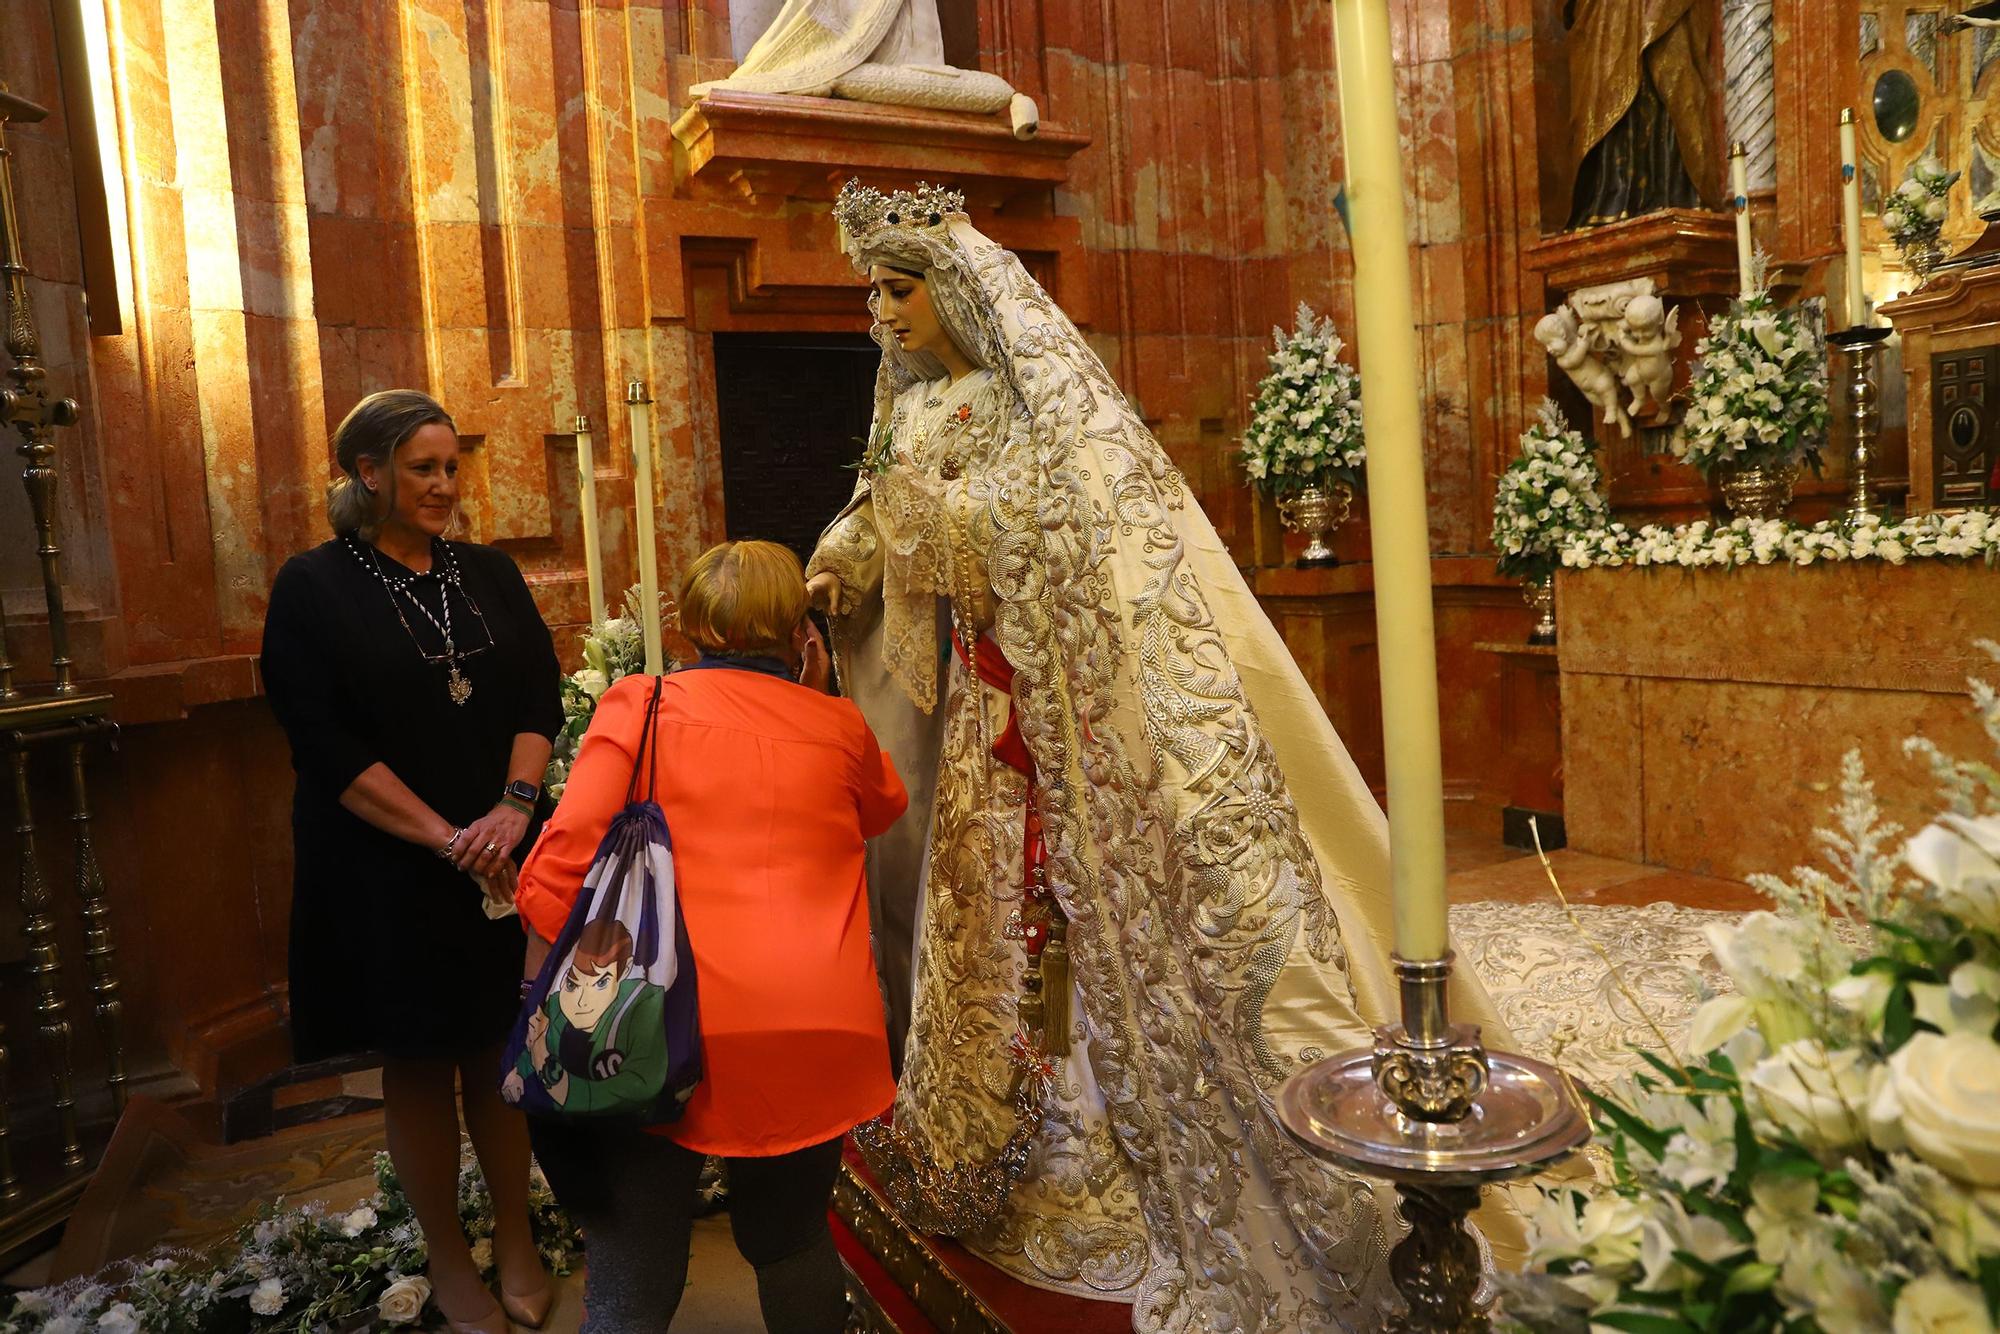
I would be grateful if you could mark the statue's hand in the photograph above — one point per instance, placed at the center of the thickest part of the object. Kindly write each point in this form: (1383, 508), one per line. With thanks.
(823, 591)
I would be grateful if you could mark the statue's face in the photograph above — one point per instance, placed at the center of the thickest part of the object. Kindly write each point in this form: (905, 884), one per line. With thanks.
(902, 302)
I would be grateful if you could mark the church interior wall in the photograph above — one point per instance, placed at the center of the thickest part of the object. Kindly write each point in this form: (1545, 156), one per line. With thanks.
(482, 198)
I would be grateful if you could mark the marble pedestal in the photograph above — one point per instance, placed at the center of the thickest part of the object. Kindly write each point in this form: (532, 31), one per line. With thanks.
(1705, 712)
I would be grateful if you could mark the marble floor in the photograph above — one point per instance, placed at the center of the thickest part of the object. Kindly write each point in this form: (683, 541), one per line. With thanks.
(1579, 985)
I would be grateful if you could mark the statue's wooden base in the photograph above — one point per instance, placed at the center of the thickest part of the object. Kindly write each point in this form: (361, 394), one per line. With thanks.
(911, 1284)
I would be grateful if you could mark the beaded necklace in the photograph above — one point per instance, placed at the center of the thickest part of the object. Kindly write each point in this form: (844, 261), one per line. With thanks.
(456, 685)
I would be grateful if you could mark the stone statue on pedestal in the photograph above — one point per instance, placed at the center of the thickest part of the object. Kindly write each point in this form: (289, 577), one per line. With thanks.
(1642, 102)
(886, 51)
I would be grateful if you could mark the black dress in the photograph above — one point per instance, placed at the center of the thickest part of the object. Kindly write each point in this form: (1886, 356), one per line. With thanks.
(390, 949)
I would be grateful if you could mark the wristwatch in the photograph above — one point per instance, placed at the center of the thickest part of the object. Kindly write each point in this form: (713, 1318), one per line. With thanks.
(522, 793)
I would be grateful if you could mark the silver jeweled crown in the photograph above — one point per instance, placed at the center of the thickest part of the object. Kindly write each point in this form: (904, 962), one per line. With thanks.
(863, 210)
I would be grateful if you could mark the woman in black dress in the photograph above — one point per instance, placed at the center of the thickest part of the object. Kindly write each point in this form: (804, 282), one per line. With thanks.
(420, 691)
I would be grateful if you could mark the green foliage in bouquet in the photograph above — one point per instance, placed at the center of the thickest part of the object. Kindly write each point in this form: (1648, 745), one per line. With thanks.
(1827, 1159)
(1305, 423)
(303, 1270)
(1757, 398)
(1915, 213)
(613, 649)
(1548, 495)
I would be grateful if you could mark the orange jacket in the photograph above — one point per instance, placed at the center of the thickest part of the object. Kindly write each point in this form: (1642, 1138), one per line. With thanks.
(769, 790)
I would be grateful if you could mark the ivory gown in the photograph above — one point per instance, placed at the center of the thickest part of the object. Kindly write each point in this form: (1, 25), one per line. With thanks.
(1222, 865)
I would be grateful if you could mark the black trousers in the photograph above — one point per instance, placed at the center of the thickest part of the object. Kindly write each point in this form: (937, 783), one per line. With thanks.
(633, 1196)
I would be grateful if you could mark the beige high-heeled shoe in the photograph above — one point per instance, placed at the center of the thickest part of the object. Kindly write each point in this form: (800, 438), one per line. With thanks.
(493, 1322)
(531, 1310)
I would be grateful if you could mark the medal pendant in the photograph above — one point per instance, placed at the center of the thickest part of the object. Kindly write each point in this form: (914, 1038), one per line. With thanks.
(457, 686)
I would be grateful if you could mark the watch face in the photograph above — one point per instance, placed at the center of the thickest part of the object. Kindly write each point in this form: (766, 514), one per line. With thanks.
(524, 791)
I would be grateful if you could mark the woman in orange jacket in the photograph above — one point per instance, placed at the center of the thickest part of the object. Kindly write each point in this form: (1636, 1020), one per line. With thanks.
(770, 788)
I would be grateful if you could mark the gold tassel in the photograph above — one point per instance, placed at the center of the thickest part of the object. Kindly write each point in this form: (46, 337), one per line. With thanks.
(1055, 994)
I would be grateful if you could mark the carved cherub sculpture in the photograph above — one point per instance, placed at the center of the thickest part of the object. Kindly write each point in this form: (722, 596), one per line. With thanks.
(1571, 344)
(1647, 336)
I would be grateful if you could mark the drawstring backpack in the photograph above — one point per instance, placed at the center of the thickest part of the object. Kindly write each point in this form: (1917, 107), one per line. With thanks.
(611, 1026)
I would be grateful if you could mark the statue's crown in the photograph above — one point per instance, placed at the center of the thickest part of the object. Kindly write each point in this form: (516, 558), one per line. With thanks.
(863, 210)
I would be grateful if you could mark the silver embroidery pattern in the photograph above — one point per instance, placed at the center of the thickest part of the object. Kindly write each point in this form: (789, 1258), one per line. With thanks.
(1174, 845)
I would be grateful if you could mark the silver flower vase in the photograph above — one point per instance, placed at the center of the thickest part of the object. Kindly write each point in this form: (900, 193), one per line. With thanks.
(1759, 493)
(1921, 258)
(1540, 595)
(1316, 511)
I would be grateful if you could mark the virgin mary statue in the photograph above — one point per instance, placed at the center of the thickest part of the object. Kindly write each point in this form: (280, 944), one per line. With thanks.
(1149, 883)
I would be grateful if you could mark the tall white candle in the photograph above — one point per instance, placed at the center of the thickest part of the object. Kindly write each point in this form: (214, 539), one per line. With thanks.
(586, 503)
(1850, 217)
(641, 410)
(1399, 529)
(1739, 185)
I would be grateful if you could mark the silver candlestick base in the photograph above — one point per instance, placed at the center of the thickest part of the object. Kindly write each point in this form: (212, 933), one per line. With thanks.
(1861, 345)
(1431, 1109)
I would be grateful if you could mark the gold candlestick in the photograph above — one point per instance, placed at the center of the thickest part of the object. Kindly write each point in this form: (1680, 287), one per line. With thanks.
(27, 405)
(1860, 346)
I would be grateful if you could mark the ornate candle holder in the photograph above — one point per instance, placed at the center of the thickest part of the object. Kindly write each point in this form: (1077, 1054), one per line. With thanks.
(1432, 1110)
(1861, 345)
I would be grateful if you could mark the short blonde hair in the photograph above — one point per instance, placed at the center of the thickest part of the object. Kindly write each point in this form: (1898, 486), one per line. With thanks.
(743, 597)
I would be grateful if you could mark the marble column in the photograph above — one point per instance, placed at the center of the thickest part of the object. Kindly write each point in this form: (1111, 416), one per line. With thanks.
(1749, 98)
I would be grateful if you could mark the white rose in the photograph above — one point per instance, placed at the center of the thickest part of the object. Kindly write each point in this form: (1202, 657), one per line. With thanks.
(1817, 1096)
(403, 1301)
(1961, 857)
(120, 1319)
(269, 1298)
(357, 1222)
(1941, 1099)
(1968, 1003)
(1935, 210)
(1911, 189)
(1940, 1304)
(482, 1254)
(592, 682)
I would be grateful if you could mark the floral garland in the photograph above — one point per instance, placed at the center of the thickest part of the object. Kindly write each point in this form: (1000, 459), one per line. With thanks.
(1305, 423)
(1826, 1158)
(1966, 534)
(613, 649)
(1552, 490)
(302, 1270)
(1757, 398)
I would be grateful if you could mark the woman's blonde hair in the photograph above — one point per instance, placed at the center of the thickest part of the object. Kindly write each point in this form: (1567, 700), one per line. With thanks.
(743, 598)
(376, 428)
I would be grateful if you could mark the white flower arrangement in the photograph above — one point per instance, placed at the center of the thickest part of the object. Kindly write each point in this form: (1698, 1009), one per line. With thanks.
(1548, 494)
(1757, 397)
(613, 649)
(1915, 213)
(1826, 1158)
(1305, 423)
(302, 1269)
(1961, 535)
